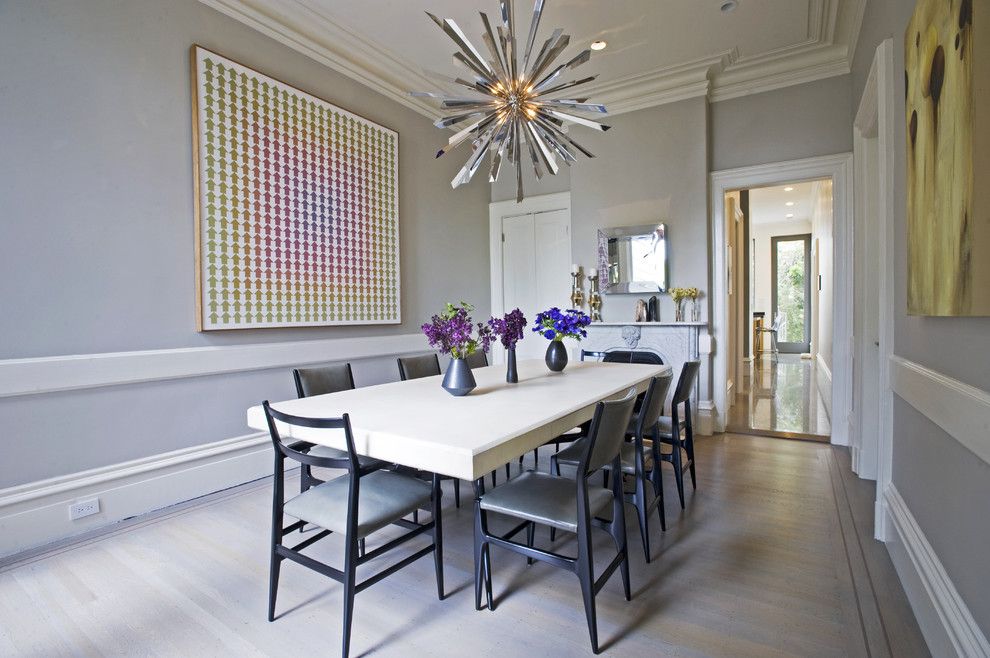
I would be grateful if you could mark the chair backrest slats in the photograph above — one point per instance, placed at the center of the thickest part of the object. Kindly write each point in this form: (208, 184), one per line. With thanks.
(623, 356)
(608, 431)
(323, 380)
(298, 450)
(415, 367)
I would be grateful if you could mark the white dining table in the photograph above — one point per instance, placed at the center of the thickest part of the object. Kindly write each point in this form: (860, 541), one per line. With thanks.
(416, 423)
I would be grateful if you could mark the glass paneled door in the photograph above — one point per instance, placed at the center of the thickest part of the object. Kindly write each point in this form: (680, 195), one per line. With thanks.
(791, 276)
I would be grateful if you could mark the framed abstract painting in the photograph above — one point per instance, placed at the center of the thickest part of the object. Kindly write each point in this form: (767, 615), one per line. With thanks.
(297, 208)
(947, 102)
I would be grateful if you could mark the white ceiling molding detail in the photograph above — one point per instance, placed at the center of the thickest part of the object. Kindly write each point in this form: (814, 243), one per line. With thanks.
(826, 51)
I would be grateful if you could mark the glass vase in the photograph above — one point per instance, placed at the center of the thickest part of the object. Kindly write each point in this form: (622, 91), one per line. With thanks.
(695, 311)
(679, 311)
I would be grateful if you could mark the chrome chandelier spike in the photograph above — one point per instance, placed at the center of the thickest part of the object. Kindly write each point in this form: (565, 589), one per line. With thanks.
(510, 103)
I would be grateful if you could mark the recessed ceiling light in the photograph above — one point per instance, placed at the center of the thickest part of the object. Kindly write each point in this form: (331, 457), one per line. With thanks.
(789, 215)
(598, 45)
(789, 203)
(788, 189)
(729, 6)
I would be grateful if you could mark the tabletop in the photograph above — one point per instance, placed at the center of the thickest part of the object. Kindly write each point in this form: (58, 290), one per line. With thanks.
(418, 424)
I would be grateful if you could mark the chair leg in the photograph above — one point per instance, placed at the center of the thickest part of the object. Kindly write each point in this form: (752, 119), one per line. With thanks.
(276, 565)
(618, 531)
(437, 535)
(350, 584)
(482, 560)
(457, 493)
(689, 448)
(530, 538)
(585, 574)
(494, 480)
(507, 474)
(655, 477)
(678, 471)
(361, 547)
(536, 458)
(644, 526)
(304, 477)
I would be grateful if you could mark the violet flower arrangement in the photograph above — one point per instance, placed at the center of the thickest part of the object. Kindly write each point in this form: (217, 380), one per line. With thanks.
(509, 329)
(557, 325)
(453, 332)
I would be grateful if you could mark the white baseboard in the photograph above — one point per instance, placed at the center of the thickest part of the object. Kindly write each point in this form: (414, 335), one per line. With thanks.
(707, 414)
(944, 618)
(37, 513)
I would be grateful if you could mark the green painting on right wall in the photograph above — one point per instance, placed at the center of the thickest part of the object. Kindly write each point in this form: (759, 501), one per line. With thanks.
(947, 76)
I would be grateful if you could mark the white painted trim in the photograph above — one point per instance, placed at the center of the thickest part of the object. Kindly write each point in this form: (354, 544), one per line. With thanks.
(877, 116)
(824, 367)
(825, 52)
(707, 415)
(35, 514)
(839, 168)
(80, 371)
(944, 617)
(963, 411)
(509, 208)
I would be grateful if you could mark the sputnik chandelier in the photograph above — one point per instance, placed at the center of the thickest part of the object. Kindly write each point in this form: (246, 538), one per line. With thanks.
(514, 103)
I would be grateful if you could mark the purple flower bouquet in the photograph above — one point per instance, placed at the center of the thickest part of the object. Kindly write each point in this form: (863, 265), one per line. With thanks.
(510, 330)
(453, 332)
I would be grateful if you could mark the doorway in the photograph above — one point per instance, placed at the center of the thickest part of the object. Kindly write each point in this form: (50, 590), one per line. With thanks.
(778, 294)
(790, 279)
(530, 249)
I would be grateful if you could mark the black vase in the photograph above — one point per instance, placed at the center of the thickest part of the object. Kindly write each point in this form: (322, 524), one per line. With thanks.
(458, 380)
(556, 356)
(511, 374)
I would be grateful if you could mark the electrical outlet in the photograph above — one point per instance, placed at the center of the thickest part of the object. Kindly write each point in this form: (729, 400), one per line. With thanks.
(84, 508)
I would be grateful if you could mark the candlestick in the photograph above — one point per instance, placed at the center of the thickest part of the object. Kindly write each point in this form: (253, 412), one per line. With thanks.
(594, 298)
(577, 292)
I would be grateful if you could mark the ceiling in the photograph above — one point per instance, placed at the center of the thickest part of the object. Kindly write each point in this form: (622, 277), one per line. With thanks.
(658, 51)
(768, 205)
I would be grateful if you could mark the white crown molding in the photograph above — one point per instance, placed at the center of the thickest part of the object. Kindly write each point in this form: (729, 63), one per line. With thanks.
(945, 619)
(297, 26)
(66, 373)
(825, 52)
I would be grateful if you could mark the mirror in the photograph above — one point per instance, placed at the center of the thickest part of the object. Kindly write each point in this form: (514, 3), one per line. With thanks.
(633, 259)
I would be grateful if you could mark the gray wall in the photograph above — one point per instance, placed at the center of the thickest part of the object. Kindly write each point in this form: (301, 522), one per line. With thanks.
(97, 205)
(796, 122)
(945, 485)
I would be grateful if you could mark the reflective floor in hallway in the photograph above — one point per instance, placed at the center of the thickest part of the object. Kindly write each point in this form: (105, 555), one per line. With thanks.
(780, 396)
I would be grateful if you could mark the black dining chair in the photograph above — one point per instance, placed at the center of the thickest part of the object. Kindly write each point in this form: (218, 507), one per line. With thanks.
(642, 464)
(623, 356)
(563, 504)
(417, 367)
(355, 505)
(670, 427)
(321, 381)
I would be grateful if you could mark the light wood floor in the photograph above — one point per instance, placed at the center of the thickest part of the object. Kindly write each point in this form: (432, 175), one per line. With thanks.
(772, 558)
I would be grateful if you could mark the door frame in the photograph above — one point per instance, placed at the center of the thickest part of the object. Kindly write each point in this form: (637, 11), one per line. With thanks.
(838, 167)
(806, 239)
(876, 118)
(500, 209)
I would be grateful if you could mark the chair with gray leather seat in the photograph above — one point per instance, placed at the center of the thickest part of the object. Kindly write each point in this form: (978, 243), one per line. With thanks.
(670, 427)
(417, 367)
(563, 504)
(321, 381)
(355, 505)
(642, 464)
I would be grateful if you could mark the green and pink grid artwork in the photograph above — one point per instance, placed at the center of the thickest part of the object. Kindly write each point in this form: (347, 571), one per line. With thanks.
(298, 206)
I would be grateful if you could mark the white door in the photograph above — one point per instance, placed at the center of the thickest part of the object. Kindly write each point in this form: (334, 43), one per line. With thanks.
(536, 261)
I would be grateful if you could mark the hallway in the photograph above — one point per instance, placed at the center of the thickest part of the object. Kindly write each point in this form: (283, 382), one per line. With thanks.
(781, 396)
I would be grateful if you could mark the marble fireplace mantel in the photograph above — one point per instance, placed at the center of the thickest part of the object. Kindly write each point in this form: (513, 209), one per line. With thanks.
(674, 342)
